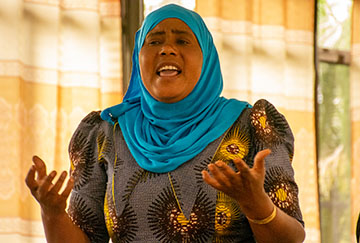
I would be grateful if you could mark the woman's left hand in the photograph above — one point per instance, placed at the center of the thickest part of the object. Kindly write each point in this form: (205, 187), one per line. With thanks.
(246, 186)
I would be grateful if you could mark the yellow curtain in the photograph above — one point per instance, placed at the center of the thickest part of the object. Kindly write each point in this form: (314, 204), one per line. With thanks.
(59, 60)
(355, 113)
(266, 51)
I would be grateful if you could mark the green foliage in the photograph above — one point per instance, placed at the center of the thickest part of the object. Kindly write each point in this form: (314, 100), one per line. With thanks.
(334, 153)
(334, 129)
(334, 30)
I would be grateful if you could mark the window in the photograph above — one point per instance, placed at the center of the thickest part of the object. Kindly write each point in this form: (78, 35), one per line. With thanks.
(333, 118)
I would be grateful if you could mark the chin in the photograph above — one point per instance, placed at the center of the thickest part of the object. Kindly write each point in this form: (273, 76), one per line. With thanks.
(168, 99)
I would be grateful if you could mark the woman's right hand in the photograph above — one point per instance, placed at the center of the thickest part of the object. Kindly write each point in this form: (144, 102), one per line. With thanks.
(47, 193)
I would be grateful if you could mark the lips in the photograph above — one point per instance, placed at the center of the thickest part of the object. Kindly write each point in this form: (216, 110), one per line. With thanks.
(168, 73)
(168, 70)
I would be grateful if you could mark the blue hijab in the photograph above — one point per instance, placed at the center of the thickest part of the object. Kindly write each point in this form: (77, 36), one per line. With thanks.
(163, 136)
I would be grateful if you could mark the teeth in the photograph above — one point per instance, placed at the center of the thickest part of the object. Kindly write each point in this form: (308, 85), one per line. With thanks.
(168, 68)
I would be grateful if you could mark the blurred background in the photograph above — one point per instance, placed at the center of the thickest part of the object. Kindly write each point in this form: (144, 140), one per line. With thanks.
(61, 59)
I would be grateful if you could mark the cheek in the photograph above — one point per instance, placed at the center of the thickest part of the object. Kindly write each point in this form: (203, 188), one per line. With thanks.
(141, 64)
(144, 64)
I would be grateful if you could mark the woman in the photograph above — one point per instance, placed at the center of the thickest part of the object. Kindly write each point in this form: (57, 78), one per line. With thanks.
(175, 162)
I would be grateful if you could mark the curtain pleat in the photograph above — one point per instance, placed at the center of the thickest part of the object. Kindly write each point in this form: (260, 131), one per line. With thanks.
(59, 60)
(266, 51)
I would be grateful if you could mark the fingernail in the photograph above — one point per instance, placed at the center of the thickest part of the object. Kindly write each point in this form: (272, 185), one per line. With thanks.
(219, 163)
(53, 173)
(63, 175)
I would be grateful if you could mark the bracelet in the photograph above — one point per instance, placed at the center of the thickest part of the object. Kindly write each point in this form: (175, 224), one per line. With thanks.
(265, 220)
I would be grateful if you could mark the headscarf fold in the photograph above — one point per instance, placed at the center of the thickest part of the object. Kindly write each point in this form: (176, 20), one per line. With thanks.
(162, 136)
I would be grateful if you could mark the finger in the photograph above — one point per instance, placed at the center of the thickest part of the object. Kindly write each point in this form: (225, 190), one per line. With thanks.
(55, 189)
(45, 185)
(259, 160)
(242, 167)
(210, 180)
(69, 186)
(40, 167)
(225, 169)
(30, 179)
(218, 175)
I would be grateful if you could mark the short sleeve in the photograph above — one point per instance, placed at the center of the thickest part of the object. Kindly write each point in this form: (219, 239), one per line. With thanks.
(271, 130)
(86, 207)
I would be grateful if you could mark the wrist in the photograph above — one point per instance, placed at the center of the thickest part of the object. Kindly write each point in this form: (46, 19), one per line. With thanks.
(266, 220)
(53, 216)
(258, 209)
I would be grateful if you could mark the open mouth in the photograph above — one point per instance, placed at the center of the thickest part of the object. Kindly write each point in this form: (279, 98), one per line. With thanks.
(168, 71)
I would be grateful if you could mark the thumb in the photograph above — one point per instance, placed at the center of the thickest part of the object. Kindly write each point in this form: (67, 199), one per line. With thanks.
(259, 160)
(40, 166)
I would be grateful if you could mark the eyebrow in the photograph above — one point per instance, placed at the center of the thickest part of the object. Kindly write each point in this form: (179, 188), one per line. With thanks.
(175, 31)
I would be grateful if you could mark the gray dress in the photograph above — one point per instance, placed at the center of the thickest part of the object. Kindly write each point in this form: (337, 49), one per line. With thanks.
(115, 198)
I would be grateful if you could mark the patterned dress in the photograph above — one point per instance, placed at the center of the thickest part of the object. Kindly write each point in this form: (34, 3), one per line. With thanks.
(114, 198)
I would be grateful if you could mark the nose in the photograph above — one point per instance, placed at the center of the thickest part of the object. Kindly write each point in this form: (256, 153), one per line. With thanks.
(168, 49)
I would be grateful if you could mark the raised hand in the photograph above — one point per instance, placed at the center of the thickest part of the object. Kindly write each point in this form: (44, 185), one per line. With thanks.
(46, 192)
(246, 186)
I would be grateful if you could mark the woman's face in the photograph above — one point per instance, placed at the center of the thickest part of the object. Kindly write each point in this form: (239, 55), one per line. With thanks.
(170, 61)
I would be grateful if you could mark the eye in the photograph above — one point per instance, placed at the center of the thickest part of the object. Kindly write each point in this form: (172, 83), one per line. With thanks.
(182, 42)
(153, 42)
